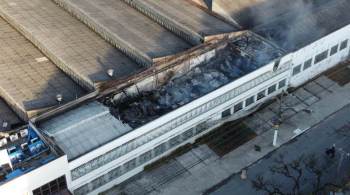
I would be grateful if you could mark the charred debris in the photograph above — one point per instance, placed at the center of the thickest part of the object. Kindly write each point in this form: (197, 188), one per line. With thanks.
(242, 55)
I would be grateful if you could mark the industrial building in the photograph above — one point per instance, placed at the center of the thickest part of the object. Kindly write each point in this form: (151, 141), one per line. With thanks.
(93, 91)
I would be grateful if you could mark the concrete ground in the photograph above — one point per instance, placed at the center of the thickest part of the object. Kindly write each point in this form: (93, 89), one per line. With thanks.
(333, 130)
(199, 169)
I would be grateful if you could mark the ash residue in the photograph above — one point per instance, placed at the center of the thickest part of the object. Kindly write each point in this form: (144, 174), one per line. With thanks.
(226, 67)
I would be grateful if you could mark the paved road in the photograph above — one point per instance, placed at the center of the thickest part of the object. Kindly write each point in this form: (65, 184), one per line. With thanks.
(333, 130)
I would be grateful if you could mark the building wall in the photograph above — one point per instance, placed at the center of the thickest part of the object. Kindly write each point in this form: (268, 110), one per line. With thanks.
(100, 170)
(126, 156)
(311, 51)
(172, 126)
(25, 184)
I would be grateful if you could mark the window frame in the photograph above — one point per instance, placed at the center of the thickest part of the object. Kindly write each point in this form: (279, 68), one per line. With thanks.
(307, 64)
(334, 50)
(296, 70)
(272, 89)
(250, 98)
(238, 107)
(321, 56)
(261, 92)
(343, 45)
(284, 81)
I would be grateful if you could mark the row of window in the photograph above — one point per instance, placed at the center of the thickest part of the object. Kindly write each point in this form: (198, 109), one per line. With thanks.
(52, 187)
(140, 160)
(251, 100)
(320, 57)
(137, 142)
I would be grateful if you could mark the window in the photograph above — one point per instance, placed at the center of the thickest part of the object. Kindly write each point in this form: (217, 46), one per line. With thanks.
(343, 45)
(226, 113)
(238, 107)
(307, 64)
(334, 50)
(297, 70)
(52, 187)
(250, 101)
(282, 84)
(261, 95)
(320, 57)
(271, 89)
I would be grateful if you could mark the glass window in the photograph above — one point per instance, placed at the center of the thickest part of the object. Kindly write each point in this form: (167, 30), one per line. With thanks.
(145, 157)
(130, 165)
(297, 70)
(334, 50)
(271, 89)
(175, 141)
(187, 134)
(238, 107)
(320, 57)
(160, 149)
(343, 45)
(307, 64)
(261, 95)
(250, 101)
(282, 84)
(226, 113)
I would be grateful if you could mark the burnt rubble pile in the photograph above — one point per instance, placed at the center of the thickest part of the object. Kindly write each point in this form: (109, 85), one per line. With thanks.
(229, 64)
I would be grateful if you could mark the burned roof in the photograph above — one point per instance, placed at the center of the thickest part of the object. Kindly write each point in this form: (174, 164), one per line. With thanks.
(244, 54)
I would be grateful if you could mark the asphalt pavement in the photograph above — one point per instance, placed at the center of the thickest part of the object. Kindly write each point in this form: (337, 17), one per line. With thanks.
(333, 130)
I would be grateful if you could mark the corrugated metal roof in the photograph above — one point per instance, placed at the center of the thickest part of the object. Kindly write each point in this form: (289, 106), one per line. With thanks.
(28, 80)
(70, 44)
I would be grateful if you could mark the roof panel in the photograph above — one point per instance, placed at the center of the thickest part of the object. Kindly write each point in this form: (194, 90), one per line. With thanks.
(69, 43)
(129, 27)
(83, 129)
(28, 80)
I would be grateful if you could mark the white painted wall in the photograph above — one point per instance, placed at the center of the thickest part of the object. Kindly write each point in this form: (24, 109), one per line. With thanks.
(25, 184)
(310, 51)
(212, 114)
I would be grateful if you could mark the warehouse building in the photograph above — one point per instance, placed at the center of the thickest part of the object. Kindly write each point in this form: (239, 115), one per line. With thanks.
(145, 77)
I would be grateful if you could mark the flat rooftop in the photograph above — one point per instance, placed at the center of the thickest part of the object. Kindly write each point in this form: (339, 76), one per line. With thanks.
(227, 66)
(21, 152)
(8, 116)
(84, 129)
(129, 28)
(70, 44)
(191, 16)
(28, 80)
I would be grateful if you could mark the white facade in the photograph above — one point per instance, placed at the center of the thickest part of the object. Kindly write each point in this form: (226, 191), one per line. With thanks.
(311, 51)
(103, 171)
(25, 184)
(127, 155)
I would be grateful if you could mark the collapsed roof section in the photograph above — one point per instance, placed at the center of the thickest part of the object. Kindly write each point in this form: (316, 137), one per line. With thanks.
(242, 55)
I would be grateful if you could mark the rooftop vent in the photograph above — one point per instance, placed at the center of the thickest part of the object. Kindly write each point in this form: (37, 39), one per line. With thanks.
(110, 72)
